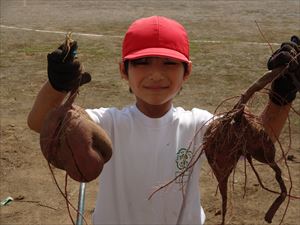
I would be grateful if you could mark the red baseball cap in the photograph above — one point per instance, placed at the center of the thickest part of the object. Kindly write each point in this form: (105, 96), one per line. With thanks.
(156, 36)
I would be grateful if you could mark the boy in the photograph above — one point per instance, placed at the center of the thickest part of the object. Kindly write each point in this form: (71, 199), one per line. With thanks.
(152, 140)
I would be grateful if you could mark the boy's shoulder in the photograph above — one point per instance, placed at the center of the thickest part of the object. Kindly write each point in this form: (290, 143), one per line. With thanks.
(130, 112)
(132, 108)
(101, 113)
(194, 112)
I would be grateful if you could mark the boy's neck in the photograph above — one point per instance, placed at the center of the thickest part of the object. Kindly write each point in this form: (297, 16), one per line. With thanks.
(154, 111)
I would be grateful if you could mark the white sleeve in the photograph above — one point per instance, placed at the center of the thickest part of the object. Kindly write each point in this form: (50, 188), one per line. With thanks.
(103, 117)
(203, 119)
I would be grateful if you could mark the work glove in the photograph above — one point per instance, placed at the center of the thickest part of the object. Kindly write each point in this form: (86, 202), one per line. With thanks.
(65, 72)
(285, 87)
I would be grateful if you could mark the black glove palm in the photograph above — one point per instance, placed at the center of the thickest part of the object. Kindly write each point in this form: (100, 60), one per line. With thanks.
(285, 87)
(64, 70)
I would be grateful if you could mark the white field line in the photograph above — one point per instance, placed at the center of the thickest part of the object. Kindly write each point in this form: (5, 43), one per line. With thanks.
(56, 32)
(244, 42)
(116, 36)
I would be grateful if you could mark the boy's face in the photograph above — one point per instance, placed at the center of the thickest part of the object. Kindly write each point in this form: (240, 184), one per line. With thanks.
(155, 81)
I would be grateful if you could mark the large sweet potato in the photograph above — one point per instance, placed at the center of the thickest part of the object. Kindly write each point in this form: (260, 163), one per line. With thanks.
(70, 141)
(238, 132)
(232, 136)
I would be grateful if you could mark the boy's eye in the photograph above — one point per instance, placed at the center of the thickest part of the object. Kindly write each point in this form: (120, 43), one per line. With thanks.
(141, 61)
(171, 63)
(149, 60)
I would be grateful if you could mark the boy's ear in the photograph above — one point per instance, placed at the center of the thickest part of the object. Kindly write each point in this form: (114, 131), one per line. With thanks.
(188, 71)
(123, 71)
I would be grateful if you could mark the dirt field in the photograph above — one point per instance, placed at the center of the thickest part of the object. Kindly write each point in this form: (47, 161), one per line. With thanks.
(227, 51)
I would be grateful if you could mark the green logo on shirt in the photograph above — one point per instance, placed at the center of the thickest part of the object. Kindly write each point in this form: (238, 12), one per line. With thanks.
(184, 157)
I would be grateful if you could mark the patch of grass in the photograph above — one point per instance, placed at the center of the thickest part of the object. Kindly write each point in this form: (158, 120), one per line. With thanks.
(33, 49)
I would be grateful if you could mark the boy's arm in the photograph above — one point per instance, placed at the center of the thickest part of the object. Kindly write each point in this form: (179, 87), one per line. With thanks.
(273, 119)
(284, 88)
(47, 99)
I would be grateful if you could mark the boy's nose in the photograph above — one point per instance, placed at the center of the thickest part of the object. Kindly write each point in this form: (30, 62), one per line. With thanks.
(156, 74)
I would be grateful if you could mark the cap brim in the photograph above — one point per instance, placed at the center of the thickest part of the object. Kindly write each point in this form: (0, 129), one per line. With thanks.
(160, 52)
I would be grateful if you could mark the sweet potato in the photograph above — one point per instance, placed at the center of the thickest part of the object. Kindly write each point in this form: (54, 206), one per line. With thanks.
(70, 141)
(238, 132)
(234, 135)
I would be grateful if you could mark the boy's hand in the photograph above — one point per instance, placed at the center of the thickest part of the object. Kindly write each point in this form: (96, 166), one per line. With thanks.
(285, 87)
(64, 70)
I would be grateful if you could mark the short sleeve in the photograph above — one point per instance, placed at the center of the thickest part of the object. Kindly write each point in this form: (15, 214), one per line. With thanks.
(103, 117)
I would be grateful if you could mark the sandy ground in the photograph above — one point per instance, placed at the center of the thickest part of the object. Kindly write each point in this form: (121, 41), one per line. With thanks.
(227, 51)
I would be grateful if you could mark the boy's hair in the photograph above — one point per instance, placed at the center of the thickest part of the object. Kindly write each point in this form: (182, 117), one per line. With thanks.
(155, 36)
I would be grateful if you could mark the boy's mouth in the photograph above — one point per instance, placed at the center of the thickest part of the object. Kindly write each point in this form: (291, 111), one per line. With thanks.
(155, 87)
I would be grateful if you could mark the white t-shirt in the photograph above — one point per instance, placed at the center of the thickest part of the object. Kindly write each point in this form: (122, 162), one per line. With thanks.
(147, 153)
